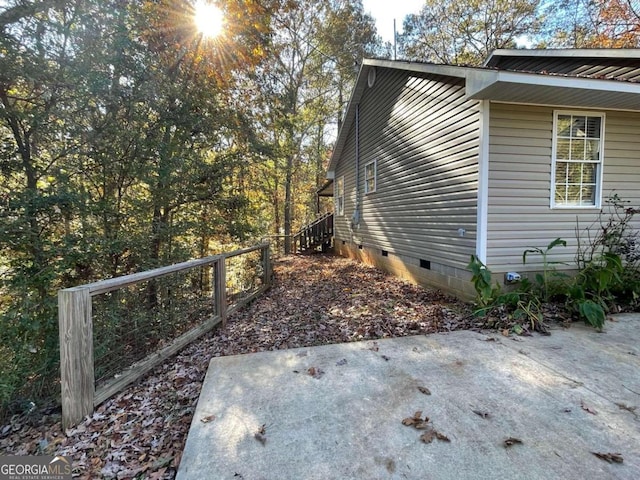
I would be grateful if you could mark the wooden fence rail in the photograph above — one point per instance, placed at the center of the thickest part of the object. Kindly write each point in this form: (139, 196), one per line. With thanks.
(77, 373)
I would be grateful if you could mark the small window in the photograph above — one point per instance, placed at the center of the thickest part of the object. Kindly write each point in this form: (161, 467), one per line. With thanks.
(340, 196)
(370, 177)
(577, 159)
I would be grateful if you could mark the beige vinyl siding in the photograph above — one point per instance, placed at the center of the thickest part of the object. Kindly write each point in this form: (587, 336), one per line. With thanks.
(424, 137)
(520, 180)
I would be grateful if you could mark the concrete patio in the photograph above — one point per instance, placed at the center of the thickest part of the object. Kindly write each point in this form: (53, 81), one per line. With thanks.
(335, 412)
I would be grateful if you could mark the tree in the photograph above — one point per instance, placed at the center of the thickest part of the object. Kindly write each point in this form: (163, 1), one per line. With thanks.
(453, 32)
(591, 24)
(118, 151)
(311, 61)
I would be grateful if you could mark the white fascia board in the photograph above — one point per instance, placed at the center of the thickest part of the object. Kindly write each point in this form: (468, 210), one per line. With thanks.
(436, 69)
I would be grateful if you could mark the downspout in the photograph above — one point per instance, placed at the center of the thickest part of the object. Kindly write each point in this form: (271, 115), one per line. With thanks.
(355, 219)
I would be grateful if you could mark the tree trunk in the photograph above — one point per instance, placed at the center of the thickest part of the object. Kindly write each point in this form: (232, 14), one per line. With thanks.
(288, 204)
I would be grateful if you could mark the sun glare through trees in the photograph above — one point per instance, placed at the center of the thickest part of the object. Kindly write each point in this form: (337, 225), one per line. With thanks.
(208, 18)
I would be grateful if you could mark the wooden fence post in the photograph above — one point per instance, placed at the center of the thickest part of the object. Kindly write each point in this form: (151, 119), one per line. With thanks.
(221, 289)
(266, 265)
(76, 354)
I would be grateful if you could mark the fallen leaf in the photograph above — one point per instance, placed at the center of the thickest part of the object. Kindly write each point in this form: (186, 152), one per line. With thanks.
(341, 362)
(208, 418)
(385, 358)
(418, 415)
(442, 436)
(588, 409)
(260, 435)
(512, 441)
(506, 332)
(427, 437)
(409, 421)
(481, 413)
(315, 372)
(424, 390)
(609, 457)
(624, 406)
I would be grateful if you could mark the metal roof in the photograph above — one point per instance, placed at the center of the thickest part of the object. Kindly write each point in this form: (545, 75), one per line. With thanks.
(616, 64)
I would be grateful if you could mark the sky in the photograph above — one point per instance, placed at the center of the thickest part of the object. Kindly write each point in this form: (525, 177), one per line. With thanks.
(384, 11)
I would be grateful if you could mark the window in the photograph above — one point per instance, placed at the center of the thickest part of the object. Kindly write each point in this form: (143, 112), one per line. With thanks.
(577, 159)
(340, 196)
(370, 177)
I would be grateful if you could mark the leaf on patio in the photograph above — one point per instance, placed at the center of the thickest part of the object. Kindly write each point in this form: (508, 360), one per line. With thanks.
(512, 441)
(417, 421)
(261, 434)
(587, 408)
(506, 332)
(624, 406)
(208, 418)
(481, 413)
(442, 436)
(427, 437)
(315, 372)
(385, 358)
(424, 390)
(609, 457)
(422, 425)
(374, 347)
(409, 421)
(342, 362)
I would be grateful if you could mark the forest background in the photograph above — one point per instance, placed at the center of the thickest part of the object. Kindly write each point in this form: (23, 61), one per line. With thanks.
(129, 141)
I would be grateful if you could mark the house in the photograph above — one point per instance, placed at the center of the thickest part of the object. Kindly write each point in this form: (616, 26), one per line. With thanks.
(435, 163)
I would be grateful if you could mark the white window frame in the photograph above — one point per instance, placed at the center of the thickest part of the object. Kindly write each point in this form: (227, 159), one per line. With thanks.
(599, 163)
(340, 196)
(367, 190)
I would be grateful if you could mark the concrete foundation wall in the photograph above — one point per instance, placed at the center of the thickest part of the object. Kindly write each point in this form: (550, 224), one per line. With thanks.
(449, 279)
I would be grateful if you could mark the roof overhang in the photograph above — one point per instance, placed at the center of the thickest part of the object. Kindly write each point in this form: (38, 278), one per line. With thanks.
(545, 89)
(326, 190)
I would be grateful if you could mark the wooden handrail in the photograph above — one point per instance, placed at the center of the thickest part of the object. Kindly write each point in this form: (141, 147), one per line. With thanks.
(104, 286)
(314, 234)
